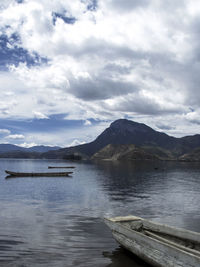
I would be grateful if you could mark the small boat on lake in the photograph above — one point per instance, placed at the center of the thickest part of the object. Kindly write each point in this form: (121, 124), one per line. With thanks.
(157, 244)
(37, 174)
(61, 167)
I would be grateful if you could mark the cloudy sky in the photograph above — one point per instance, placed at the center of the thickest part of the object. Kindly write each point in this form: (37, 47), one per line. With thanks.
(69, 68)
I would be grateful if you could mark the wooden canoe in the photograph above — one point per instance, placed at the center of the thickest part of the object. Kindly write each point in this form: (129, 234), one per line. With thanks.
(61, 167)
(157, 244)
(38, 174)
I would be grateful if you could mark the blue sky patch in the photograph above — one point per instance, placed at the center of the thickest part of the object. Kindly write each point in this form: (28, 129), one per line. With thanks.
(68, 20)
(53, 124)
(61, 131)
(12, 53)
(93, 5)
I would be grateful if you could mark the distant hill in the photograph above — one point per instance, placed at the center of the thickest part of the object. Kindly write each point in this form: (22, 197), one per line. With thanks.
(125, 133)
(21, 155)
(4, 148)
(9, 148)
(42, 149)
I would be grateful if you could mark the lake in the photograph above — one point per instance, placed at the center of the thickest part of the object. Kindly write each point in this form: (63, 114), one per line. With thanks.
(59, 221)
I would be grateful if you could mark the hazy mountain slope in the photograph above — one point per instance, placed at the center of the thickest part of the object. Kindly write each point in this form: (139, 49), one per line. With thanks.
(194, 155)
(123, 152)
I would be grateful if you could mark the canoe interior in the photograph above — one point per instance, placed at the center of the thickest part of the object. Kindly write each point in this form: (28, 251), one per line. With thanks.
(61, 167)
(38, 174)
(157, 244)
(183, 239)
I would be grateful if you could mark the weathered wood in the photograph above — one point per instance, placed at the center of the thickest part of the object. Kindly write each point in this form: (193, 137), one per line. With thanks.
(153, 247)
(38, 174)
(178, 232)
(187, 249)
(124, 218)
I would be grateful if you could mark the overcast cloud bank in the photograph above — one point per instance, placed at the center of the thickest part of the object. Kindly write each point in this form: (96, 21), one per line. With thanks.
(100, 60)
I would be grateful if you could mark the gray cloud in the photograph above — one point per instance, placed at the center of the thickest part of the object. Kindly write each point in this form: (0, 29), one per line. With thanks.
(129, 5)
(100, 48)
(165, 126)
(172, 5)
(195, 121)
(131, 57)
(113, 51)
(115, 69)
(142, 105)
(99, 88)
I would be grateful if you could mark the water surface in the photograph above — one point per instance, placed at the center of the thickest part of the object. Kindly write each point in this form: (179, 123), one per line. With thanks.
(58, 221)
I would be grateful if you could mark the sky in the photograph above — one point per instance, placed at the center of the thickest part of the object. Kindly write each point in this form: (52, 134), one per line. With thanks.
(70, 68)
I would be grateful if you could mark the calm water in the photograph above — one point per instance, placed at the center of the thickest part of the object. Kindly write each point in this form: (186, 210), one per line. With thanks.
(58, 221)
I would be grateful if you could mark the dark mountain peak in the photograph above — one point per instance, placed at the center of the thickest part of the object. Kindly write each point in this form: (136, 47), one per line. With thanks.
(124, 131)
(123, 122)
(131, 126)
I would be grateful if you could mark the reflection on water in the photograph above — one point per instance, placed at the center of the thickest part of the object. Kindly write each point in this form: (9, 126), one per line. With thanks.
(123, 258)
(59, 221)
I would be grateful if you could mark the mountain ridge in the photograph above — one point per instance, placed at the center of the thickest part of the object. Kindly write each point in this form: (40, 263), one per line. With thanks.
(13, 148)
(123, 131)
(127, 132)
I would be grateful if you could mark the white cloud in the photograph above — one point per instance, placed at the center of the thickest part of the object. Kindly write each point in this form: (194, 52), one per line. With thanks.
(39, 115)
(193, 116)
(63, 137)
(76, 142)
(136, 58)
(4, 132)
(96, 33)
(15, 136)
(87, 123)
(27, 145)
